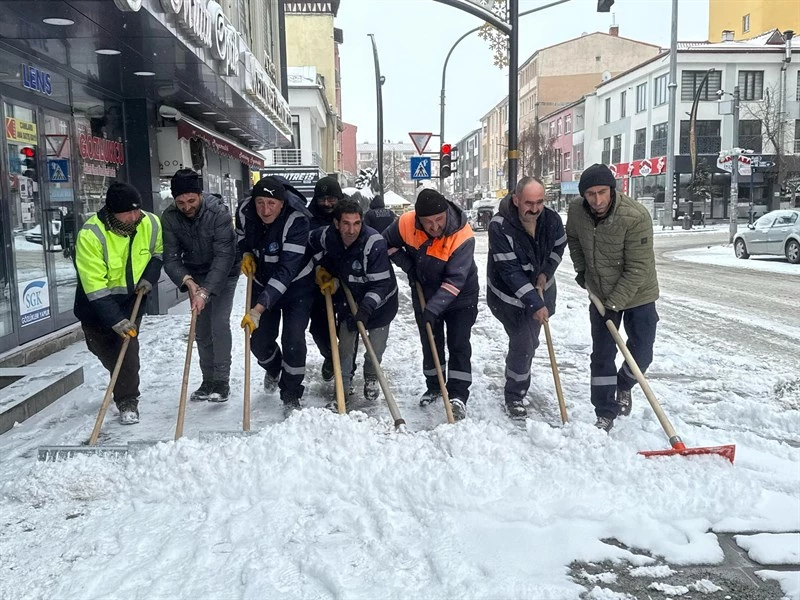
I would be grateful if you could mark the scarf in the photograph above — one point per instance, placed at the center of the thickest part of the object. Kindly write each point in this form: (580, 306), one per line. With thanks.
(116, 226)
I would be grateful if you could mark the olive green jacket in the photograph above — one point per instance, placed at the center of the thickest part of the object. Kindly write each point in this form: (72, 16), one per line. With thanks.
(614, 257)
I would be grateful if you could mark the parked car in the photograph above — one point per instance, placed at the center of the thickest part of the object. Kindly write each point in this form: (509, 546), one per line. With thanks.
(777, 232)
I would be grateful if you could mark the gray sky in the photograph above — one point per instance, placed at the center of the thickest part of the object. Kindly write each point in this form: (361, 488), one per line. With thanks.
(413, 37)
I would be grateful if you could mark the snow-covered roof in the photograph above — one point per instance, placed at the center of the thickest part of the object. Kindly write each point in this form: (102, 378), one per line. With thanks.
(392, 199)
(769, 40)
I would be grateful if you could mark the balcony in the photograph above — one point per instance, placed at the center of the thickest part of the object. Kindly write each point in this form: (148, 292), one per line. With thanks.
(291, 157)
(706, 144)
(658, 147)
(639, 151)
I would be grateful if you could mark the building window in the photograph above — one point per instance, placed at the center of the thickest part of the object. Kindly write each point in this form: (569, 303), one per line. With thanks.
(750, 134)
(751, 85)
(640, 144)
(658, 146)
(577, 164)
(560, 126)
(641, 97)
(616, 152)
(797, 96)
(623, 105)
(567, 161)
(606, 158)
(568, 124)
(746, 23)
(691, 80)
(660, 90)
(797, 136)
(557, 167)
(608, 110)
(706, 135)
(552, 129)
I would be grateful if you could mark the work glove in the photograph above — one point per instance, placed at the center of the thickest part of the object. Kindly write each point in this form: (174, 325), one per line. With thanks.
(125, 328)
(143, 286)
(248, 264)
(580, 279)
(362, 315)
(326, 281)
(251, 320)
(428, 316)
(611, 315)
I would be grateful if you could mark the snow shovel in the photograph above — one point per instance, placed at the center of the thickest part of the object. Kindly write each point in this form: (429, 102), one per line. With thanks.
(187, 365)
(678, 447)
(56, 452)
(448, 408)
(399, 423)
(247, 332)
(337, 365)
(562, 407)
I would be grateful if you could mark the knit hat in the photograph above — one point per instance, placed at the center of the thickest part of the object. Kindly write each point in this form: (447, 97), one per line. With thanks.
(430, 202)
(186, 181)
(269, 187)
(597, 174)
(328, 186)
(122, 197)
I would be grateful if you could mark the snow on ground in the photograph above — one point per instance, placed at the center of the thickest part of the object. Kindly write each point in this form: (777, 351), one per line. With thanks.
(324, 506)
(772, 548)
(723, 256)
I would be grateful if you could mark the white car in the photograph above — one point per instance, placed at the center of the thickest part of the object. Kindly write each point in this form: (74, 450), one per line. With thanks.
(777, 232)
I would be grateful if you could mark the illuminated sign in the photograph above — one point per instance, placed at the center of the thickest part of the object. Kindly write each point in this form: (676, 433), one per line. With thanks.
(100, 149)
(37, 80)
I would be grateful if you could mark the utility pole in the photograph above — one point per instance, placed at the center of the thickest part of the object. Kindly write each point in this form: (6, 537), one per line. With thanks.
(513, 94)
(669, 195)
(734, 204)
(379, 79)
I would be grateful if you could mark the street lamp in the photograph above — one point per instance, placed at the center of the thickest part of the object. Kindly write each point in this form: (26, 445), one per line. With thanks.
(735, 152)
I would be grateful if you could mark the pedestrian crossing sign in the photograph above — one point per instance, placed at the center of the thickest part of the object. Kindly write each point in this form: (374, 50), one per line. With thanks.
(58, 170)
(420, 167)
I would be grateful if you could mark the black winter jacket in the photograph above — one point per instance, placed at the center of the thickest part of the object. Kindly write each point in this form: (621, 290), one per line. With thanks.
(203, 247)
(284, 267)
(516, 259)
(444, 266)
(319, 218)
(378, 216)
(364, 267)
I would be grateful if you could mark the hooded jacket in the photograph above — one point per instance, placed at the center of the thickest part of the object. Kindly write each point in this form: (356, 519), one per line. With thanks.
(203, 247)
(516, 259)
(444, 266)
(614, 255)
(284, 268)
(378, 216)
(364, 267)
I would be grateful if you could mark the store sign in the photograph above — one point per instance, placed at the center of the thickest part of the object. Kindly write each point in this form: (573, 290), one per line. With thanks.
(640, 168)
(187, 131)
(101, 149)
(265, 94)
(206, 23)
(34, 301)
(18, 130)
(37, 80)
(296, 177)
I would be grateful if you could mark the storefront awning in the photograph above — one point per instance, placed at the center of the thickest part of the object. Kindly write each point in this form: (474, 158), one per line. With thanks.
(188, 128)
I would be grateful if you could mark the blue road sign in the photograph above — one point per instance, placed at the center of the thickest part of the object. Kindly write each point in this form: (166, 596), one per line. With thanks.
(420, 167)
(58, 170)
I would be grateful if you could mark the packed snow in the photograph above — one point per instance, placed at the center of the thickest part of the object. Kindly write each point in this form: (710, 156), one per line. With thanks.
(724, 256)
(326, 506)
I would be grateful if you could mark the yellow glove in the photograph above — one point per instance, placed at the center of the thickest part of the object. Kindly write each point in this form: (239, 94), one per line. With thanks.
(251, 320)
(248, 264)
(125, 328)
(326, 281)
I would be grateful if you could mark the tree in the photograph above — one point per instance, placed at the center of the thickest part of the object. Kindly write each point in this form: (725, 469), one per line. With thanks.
(700, 190)
(536, 150)
(773, 127)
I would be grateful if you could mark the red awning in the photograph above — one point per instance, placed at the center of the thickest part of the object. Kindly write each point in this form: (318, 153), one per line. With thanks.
(187, 129)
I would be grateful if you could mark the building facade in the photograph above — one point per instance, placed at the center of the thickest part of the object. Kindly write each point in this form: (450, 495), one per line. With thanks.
(494, 149)
(748, 18)
(154, 91)
(468, 184)
(396, 166)
(562, 132)
(312, 40)
(630, 130)
(349, 166)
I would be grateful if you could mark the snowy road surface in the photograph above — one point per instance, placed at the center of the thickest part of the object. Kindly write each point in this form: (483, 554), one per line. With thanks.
(322, 506)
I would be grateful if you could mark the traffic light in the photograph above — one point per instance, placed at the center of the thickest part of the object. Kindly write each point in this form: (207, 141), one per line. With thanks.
(28, 165)
(445, 161)
(604, 5)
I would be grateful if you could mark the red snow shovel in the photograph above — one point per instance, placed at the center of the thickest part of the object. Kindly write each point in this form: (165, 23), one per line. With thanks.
(678, 447)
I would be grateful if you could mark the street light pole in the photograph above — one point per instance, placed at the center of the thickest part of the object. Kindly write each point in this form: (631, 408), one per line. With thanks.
(669, 195)
(734, 203)
(379, 94)
(513, 94)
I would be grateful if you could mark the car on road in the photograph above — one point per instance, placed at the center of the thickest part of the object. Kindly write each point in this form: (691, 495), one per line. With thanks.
(777, 233)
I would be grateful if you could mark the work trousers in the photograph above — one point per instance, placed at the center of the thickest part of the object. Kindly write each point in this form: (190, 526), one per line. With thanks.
(106, 344)
(319, 324)
(348, 347)
(454, 326)
(523, 339)
(213, 334)
(287, 361)
(640, 327)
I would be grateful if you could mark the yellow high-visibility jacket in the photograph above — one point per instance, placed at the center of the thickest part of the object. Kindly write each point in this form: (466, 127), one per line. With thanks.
(109, 266)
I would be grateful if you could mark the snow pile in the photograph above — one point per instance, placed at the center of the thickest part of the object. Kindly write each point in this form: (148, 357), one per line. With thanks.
(771, 548)
(705, 586)
(652, 571)
(669, 590)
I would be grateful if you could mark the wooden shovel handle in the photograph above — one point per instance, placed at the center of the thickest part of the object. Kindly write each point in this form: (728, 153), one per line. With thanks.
(448, 408)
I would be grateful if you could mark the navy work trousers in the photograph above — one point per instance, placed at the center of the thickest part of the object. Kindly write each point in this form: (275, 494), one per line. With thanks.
(523, 339)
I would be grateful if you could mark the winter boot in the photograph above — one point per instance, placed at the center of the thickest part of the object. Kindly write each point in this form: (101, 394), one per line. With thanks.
(220, 392)
(327, 369)
(291, 402)
(516, 409)
(128, 411)
(270, 382)
(604, 423)
(201, 393)
(371, 389)
(430, 396)
(459, 409)
(624, 401)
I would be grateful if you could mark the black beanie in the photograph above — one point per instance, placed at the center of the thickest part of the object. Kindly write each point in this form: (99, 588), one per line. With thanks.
(122, 197)
(597, 174)
(328, 186)
(430, 202)
(186, 181)
(269, 187)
